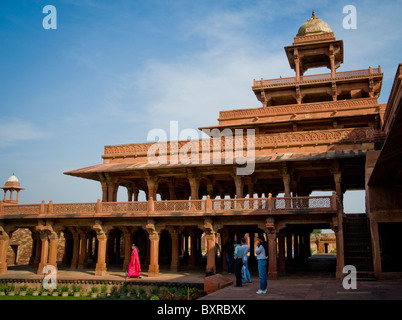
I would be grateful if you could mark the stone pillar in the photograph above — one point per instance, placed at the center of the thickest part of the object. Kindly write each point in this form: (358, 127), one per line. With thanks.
(272, 260)
(37, 251)
(127, 248)
(194, 182)
(153, 270)
(154, 236)
(4, 240)
(211, 267)
(281, 246)
(44, 252)
(129, 194)
(297, 64)
(338, 186)
(53, 237)
(239, 186)
(82, 251)
(174, 264)
(193, 248)
(340, 254)
(76, 248)
(332, 60)
(152, 183)
(101, 235)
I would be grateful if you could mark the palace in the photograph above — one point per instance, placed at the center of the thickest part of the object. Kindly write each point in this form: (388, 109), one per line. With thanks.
(321, 132)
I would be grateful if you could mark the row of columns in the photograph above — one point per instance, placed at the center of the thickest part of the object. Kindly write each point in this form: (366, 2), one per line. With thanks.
(291, 186)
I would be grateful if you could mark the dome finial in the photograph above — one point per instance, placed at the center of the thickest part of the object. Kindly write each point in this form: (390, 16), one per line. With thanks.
(313, 15)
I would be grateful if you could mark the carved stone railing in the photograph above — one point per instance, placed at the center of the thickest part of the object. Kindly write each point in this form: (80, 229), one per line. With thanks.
(263, 141)
(315, 78)
(295, 109)
(207, 206)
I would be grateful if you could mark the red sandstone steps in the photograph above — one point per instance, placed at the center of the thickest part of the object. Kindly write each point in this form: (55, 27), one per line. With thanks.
(357, 245)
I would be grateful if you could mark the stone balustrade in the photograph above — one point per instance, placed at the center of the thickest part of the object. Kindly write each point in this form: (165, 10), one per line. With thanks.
(270, 205)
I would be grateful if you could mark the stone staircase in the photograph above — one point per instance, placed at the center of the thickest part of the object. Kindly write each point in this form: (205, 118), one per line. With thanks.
(357, 245)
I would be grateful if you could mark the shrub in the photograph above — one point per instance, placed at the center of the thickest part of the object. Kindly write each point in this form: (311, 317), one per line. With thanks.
(104, 288)
(142, 292)
(94, 289)
(64, 288)
(76, 288)
(23, 288)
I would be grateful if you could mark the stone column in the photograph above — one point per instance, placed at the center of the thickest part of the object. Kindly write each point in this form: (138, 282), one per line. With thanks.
(338, 186)
(194, 182)
(101, 235)
(44, 253)
(281, 246)
(174, 265)
(332, 60)
(152, 183)
(340, 254)
(297, 64)
(272, 260)
(239, 186)
(76, 248)
(211, 267)
(153, 270)
(53, 237)
(127, 248)
(37, 251)
(4, 240)
(82, 251)
(154, 236)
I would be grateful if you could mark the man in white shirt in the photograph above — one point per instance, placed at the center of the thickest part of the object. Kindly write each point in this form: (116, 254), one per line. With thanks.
(262, 255)
(246, 249)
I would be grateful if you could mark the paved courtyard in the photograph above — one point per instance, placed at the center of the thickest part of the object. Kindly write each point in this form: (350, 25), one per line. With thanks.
(315, 280)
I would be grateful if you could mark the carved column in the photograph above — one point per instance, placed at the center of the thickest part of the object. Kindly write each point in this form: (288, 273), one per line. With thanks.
(338, 186)
(4, 240)
(152, 183)
(53, 237)
(127, 248)
(76, 248)
(174, 265)
(281, 247)
(194, 182)
(272, 260)
(82, 251)
(154, 236)
(210, 240)
(101, 235)
(297, 64)
(44, 253)
(340, 254)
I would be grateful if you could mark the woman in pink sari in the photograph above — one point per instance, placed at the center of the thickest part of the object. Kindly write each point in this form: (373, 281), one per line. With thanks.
(134, 267)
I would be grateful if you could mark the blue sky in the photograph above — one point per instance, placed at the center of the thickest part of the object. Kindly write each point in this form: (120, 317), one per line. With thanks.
(114, 70)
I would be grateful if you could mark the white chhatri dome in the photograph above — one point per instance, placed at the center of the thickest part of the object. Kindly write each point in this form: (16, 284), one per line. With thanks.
(13, 178)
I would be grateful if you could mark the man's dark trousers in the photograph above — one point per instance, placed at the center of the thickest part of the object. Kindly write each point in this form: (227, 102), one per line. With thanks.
(238, 264)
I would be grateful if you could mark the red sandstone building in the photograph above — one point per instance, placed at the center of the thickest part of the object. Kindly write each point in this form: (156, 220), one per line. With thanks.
(323, 132)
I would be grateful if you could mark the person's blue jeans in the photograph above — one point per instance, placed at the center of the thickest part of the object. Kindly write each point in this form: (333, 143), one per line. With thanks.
(262, 273)
(247, 272)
